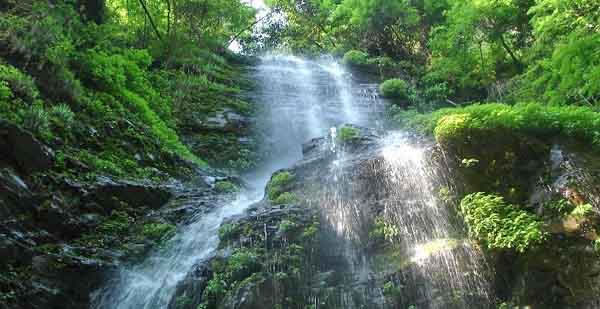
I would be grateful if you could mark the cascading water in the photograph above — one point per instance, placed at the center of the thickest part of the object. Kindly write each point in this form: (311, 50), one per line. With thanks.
(298, 99)
(419, 221)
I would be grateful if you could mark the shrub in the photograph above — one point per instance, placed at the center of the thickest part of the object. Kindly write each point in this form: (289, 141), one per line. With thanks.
(14, 83)
(36, 120)
(62, 115)
(395, 89)
(356, 58)
(500, 225)
(275, 186)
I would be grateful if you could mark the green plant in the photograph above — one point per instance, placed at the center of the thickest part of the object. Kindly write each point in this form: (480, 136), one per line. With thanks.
(286, 198)
(471, 162)
(581, 211)
(500, 225)
(157, 231)
(62, 115)
(286, 226)
(457, 124)
(395, 89)
(277, 183)
(117, 223)
(356, 58)
(226, 187)
(228, 231)
(36, 120)
(347, 134)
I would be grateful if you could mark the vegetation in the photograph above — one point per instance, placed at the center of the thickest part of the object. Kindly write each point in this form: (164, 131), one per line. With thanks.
(459, 50)
(395, 89)
(500, 225)
(348, 133)
(572, 122)
(276, 187)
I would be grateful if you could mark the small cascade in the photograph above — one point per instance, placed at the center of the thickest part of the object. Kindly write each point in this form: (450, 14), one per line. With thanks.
(448, 267)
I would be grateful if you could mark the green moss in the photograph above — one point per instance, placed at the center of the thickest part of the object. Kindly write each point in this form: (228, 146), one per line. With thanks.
(347, 134)
(277, 184)
(542, 121)
(285, 198)
(157, 231)
(500, 225)
(119, 222)
(226, 187)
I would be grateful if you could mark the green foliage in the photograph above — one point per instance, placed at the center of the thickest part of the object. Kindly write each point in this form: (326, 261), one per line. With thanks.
(285, 198)
(356, 58)
(347, 134)
(395, 89)
(499, 225)
(226, 187)
(228, 231)
(455, 124)
(158, 231)
(36, 119)
(118, 223)
(16, 84)
(277, 184)
(581, 211)
(62, 115)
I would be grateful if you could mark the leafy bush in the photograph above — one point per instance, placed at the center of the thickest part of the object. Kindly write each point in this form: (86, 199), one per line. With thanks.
(278, 181)
(36, 120)
(395, 89)
(62, 115)
(500, 225)
(356, 58)
(13, 83)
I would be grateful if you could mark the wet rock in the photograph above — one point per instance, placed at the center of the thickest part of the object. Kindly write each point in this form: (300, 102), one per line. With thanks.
(192, 287)
(54, 216)
(10, 250)
(20, 149)
(225, 120)
(109, 193)
(14, 193)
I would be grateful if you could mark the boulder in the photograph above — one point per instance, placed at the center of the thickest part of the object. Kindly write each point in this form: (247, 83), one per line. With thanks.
(109, 193)
(21, 149)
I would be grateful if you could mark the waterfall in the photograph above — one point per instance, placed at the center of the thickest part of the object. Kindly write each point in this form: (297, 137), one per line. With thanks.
(445, 262)
(295, 103)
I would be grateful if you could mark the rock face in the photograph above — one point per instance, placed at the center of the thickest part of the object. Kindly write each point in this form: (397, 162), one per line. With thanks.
(61, 235)
(106, 191)
(325, 244)
(20, 149)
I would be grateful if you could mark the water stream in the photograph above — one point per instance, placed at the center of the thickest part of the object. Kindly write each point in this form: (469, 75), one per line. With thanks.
(298, 99)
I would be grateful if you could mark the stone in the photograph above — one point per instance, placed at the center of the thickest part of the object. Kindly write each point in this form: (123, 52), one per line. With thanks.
(22, 150)
(109, 193)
